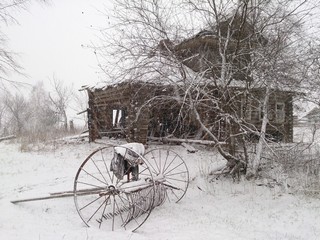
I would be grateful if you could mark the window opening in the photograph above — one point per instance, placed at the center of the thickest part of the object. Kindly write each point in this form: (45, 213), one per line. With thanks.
(118, 118)
(280, 113)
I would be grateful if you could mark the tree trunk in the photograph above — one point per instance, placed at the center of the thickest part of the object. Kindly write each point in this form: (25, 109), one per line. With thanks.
(223, 153)
(71, 126)
(65, 120)
(254, 163)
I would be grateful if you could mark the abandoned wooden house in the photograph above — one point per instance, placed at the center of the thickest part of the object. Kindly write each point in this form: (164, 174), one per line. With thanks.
(132, 110)
(141, 109)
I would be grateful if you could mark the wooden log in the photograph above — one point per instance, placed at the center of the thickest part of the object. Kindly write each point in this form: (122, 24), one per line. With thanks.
(179, 140)
(189, 148)
(84, 111)
(7, 137)
(218, 169)
(81, 136)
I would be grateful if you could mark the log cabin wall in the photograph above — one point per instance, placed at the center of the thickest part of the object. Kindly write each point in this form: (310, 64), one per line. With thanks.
(280, 113)
(106, 104)
(159, 118)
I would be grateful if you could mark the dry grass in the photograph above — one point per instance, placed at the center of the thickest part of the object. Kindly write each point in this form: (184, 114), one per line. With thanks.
(41, 140)
(294, 167)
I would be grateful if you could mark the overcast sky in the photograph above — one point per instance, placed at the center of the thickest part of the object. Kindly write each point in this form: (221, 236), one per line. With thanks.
(50, 40)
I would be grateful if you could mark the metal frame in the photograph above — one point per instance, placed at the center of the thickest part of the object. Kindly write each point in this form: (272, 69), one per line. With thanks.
(104, 201)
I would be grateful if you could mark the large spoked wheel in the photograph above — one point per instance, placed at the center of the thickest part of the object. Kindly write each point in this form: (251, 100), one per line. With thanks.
(104, 201)
(171, 167)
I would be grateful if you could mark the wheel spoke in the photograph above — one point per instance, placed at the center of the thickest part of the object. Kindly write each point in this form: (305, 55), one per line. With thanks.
(94, 177)
(120, 213)
(174, 194)
(88, 204)
(174, 179)
(94, 163)
(94, 213)
(176, 173)
(104, 209)
(89, 184)
(165, 162)
(173, 170)
(152, 167)
(165, 173)
(108, 199)
(156, 162)
(106, 167)
(164, 170)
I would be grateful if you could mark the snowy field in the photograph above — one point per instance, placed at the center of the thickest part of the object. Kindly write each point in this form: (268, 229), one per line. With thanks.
(218, 209)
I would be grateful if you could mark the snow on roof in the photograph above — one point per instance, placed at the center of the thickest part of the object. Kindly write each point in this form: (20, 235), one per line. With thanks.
(302, 108)
(157, 70)
(164, 71)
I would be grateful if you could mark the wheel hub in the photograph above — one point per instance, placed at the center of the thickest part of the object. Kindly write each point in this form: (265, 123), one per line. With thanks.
(111, 190)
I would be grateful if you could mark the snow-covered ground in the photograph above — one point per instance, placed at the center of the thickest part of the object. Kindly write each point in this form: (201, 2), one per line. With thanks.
(307, 134)
(218, 209)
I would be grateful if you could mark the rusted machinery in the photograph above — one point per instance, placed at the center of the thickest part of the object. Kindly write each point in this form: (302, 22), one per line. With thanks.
(109, 202)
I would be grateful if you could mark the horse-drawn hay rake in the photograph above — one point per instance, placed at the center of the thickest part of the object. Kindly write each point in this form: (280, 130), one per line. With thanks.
(110, 202)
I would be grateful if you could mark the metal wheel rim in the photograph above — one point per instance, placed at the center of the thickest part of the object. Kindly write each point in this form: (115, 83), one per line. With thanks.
(168, 163)
(121, 214)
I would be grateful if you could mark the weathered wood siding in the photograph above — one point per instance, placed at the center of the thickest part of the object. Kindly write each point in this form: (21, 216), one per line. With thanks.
(155, 118)
(127, 97)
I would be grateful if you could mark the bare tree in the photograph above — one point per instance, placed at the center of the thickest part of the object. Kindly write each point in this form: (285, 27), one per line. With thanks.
(2, 113)
(61, 97)
(8, 58)
(33, 117)
(243, 46)
(44, 117)
(80, 106)
(18, 112)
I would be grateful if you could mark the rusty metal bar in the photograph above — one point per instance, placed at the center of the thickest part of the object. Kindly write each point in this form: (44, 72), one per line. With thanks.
(64, 194)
